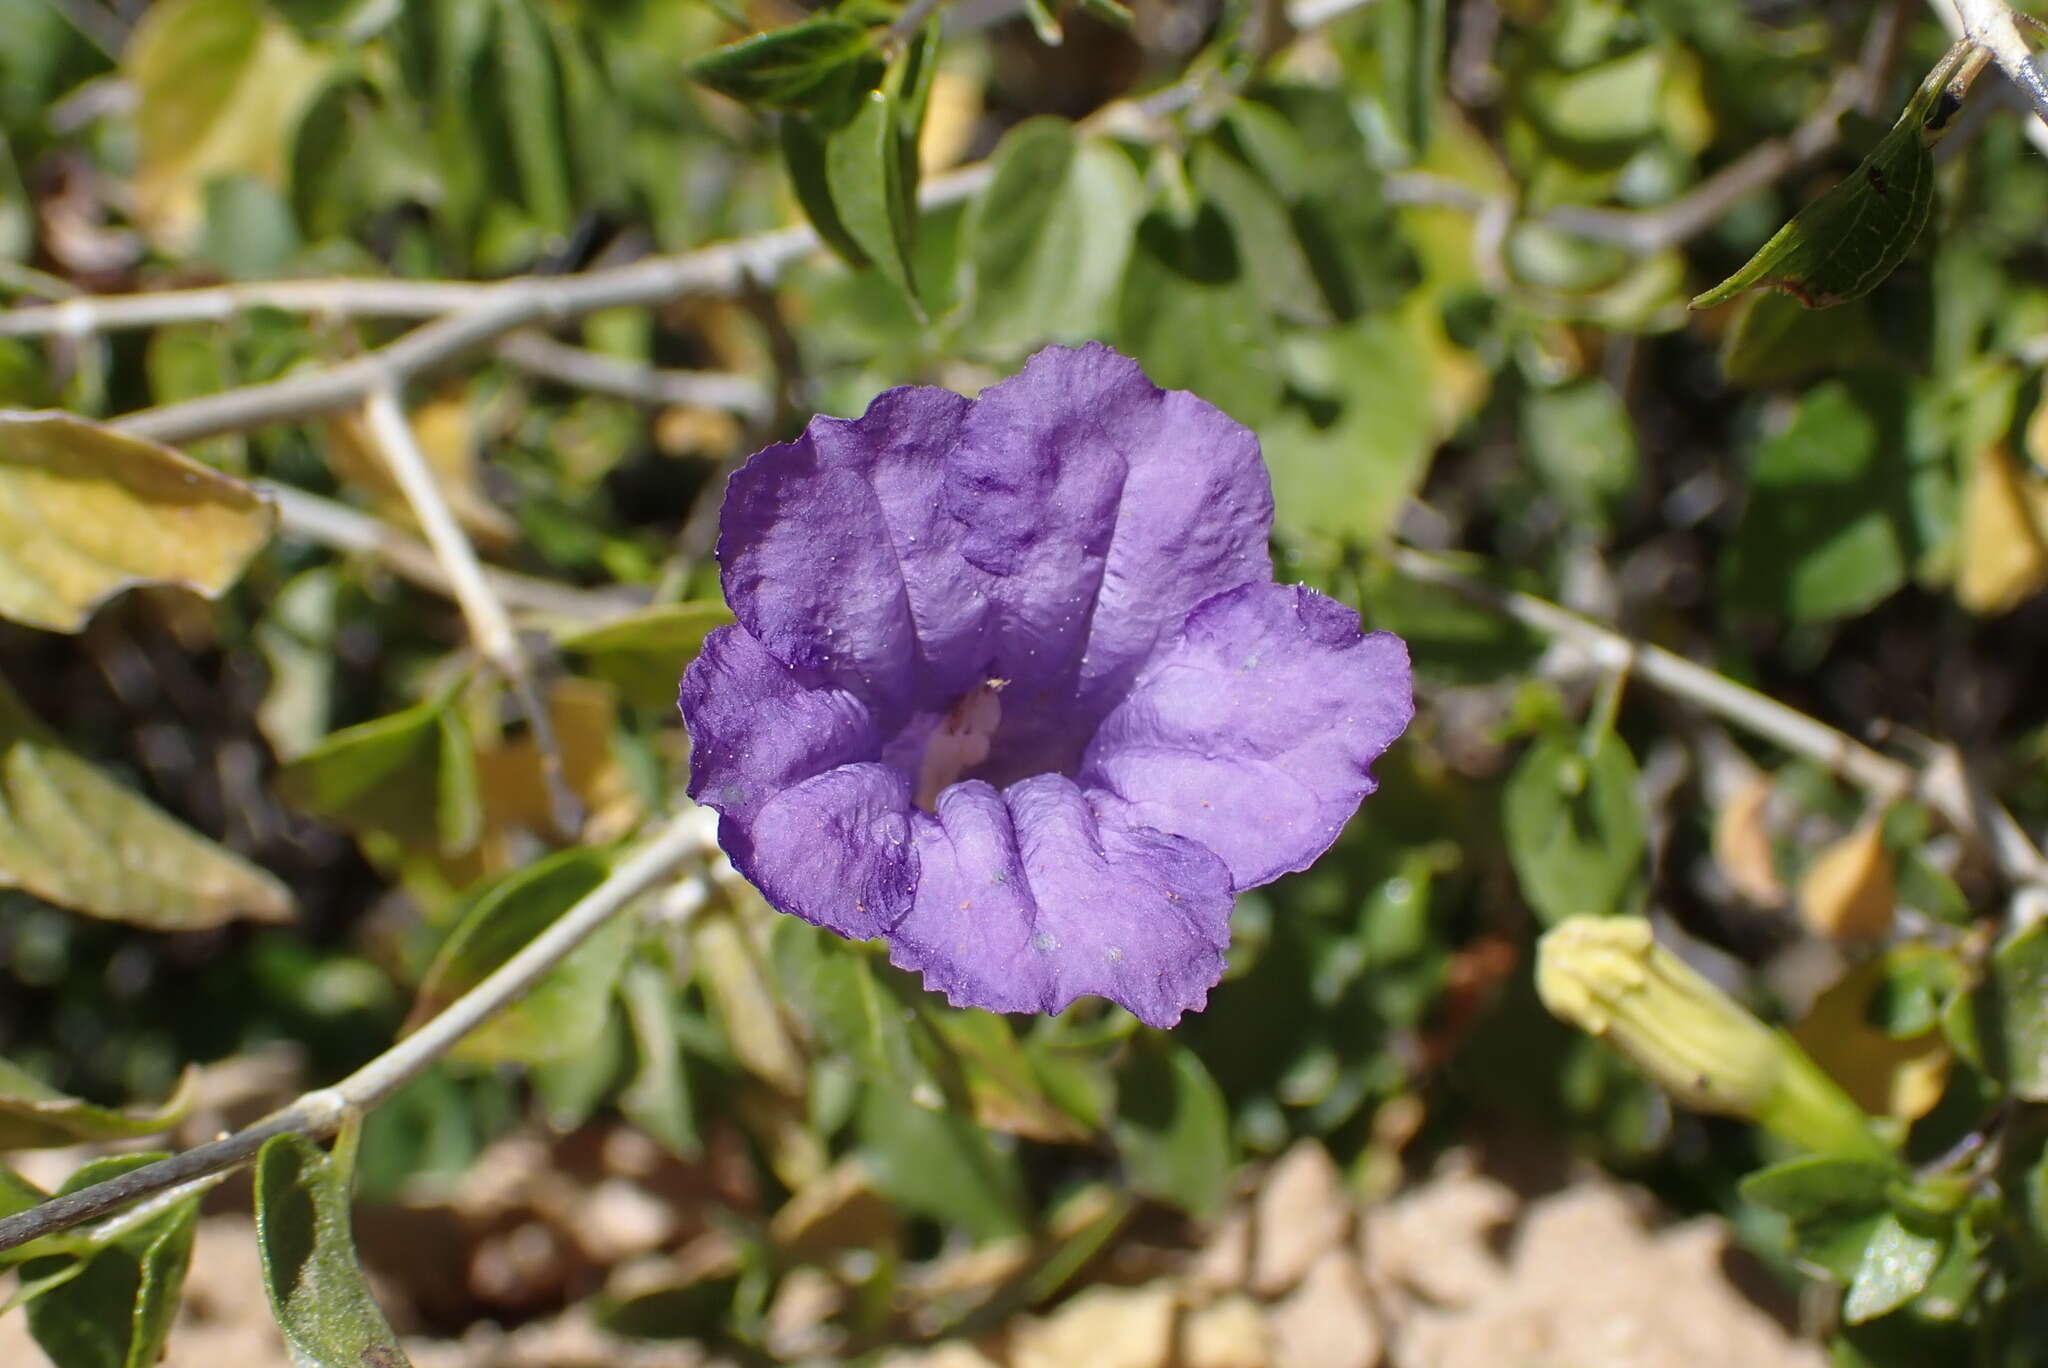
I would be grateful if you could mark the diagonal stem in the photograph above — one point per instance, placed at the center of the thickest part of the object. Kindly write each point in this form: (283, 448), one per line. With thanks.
(1965, 809)
(490, 626)
(318, 1114)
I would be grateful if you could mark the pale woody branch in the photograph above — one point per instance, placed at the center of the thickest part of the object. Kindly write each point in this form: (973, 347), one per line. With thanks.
(685, 840)
(1885, 779)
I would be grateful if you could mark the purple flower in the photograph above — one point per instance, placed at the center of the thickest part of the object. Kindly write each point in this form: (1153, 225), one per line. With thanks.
(1012, 687)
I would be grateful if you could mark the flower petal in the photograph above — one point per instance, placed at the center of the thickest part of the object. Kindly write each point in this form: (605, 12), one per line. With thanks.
(1104, 508)
(804, 809)
(1255, 734)
(838, 556)
(834, 850)
(1027, 900)
(756, 726)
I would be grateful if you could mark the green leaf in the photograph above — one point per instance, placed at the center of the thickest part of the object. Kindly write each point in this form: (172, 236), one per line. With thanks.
(249, 230)
(642, 654)
(316, 1286)
(940, 1164)
(411, 774)
(864, 175)
(1582, 442)
(790, 68)
(2003, 1025)
(221, 85)
(17, 1194)
(1816, 1186)
(1411, 48)
(1049, 238)
(564, 1013)
(1777, 341)
(1004, 1086)
(1618, 101)
(848, 1005)
(1343, 466)
(1826, 533)
(86, 512)
(1191, 315)
(33, 1115)
(1278, 266)
(1852, 237)
(73, 836)
(1574, 828)
(1896, 1265)
(1834, 1206)
(1172, 1128)
(530, 89)
(658, 1099)
(115, 1311)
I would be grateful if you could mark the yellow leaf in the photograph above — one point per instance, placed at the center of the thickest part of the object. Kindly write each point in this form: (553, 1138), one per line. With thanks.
(221, 85)
(86, 512)
(1847, 893)
(730, 969)
(515, 790)
(73, 836)
(2001, 556)
(1883, 1074)
(949, 120)
(1742, 844)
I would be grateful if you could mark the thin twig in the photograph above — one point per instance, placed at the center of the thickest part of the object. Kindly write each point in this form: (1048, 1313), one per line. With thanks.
(501, 309)
(718, 269)
(541, 355)
(1993, 26)
(2016, 856)
(490, 626)
(317, 1114)
(346, 297)
(324, 522)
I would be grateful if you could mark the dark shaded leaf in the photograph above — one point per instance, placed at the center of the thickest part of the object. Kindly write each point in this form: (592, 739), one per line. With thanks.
(115, 1311)
(411, 774)
(940, 1164)
(34, 1115)
(1172, 1128)
(787, 68)
(1827, 532)
(646, 652)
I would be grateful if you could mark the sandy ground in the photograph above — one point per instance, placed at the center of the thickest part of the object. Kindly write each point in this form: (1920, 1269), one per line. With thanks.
(1462, 1269)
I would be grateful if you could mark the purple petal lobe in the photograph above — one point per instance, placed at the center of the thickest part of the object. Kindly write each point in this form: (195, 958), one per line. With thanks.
(1027, 900)
(835, 850)
(803, 811)
(839, 558)
(1103, 508)
(1256, 732)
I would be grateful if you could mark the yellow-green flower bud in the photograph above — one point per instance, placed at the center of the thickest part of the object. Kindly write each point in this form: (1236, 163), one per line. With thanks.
(1610, 978)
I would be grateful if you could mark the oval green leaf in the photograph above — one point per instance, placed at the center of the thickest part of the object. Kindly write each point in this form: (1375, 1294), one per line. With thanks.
(316, 1286)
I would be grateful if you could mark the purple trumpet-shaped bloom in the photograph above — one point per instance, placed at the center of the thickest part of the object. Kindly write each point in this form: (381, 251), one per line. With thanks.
(1012, 687)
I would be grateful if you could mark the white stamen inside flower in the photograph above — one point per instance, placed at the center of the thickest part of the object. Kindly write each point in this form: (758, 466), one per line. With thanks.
(961, 741)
